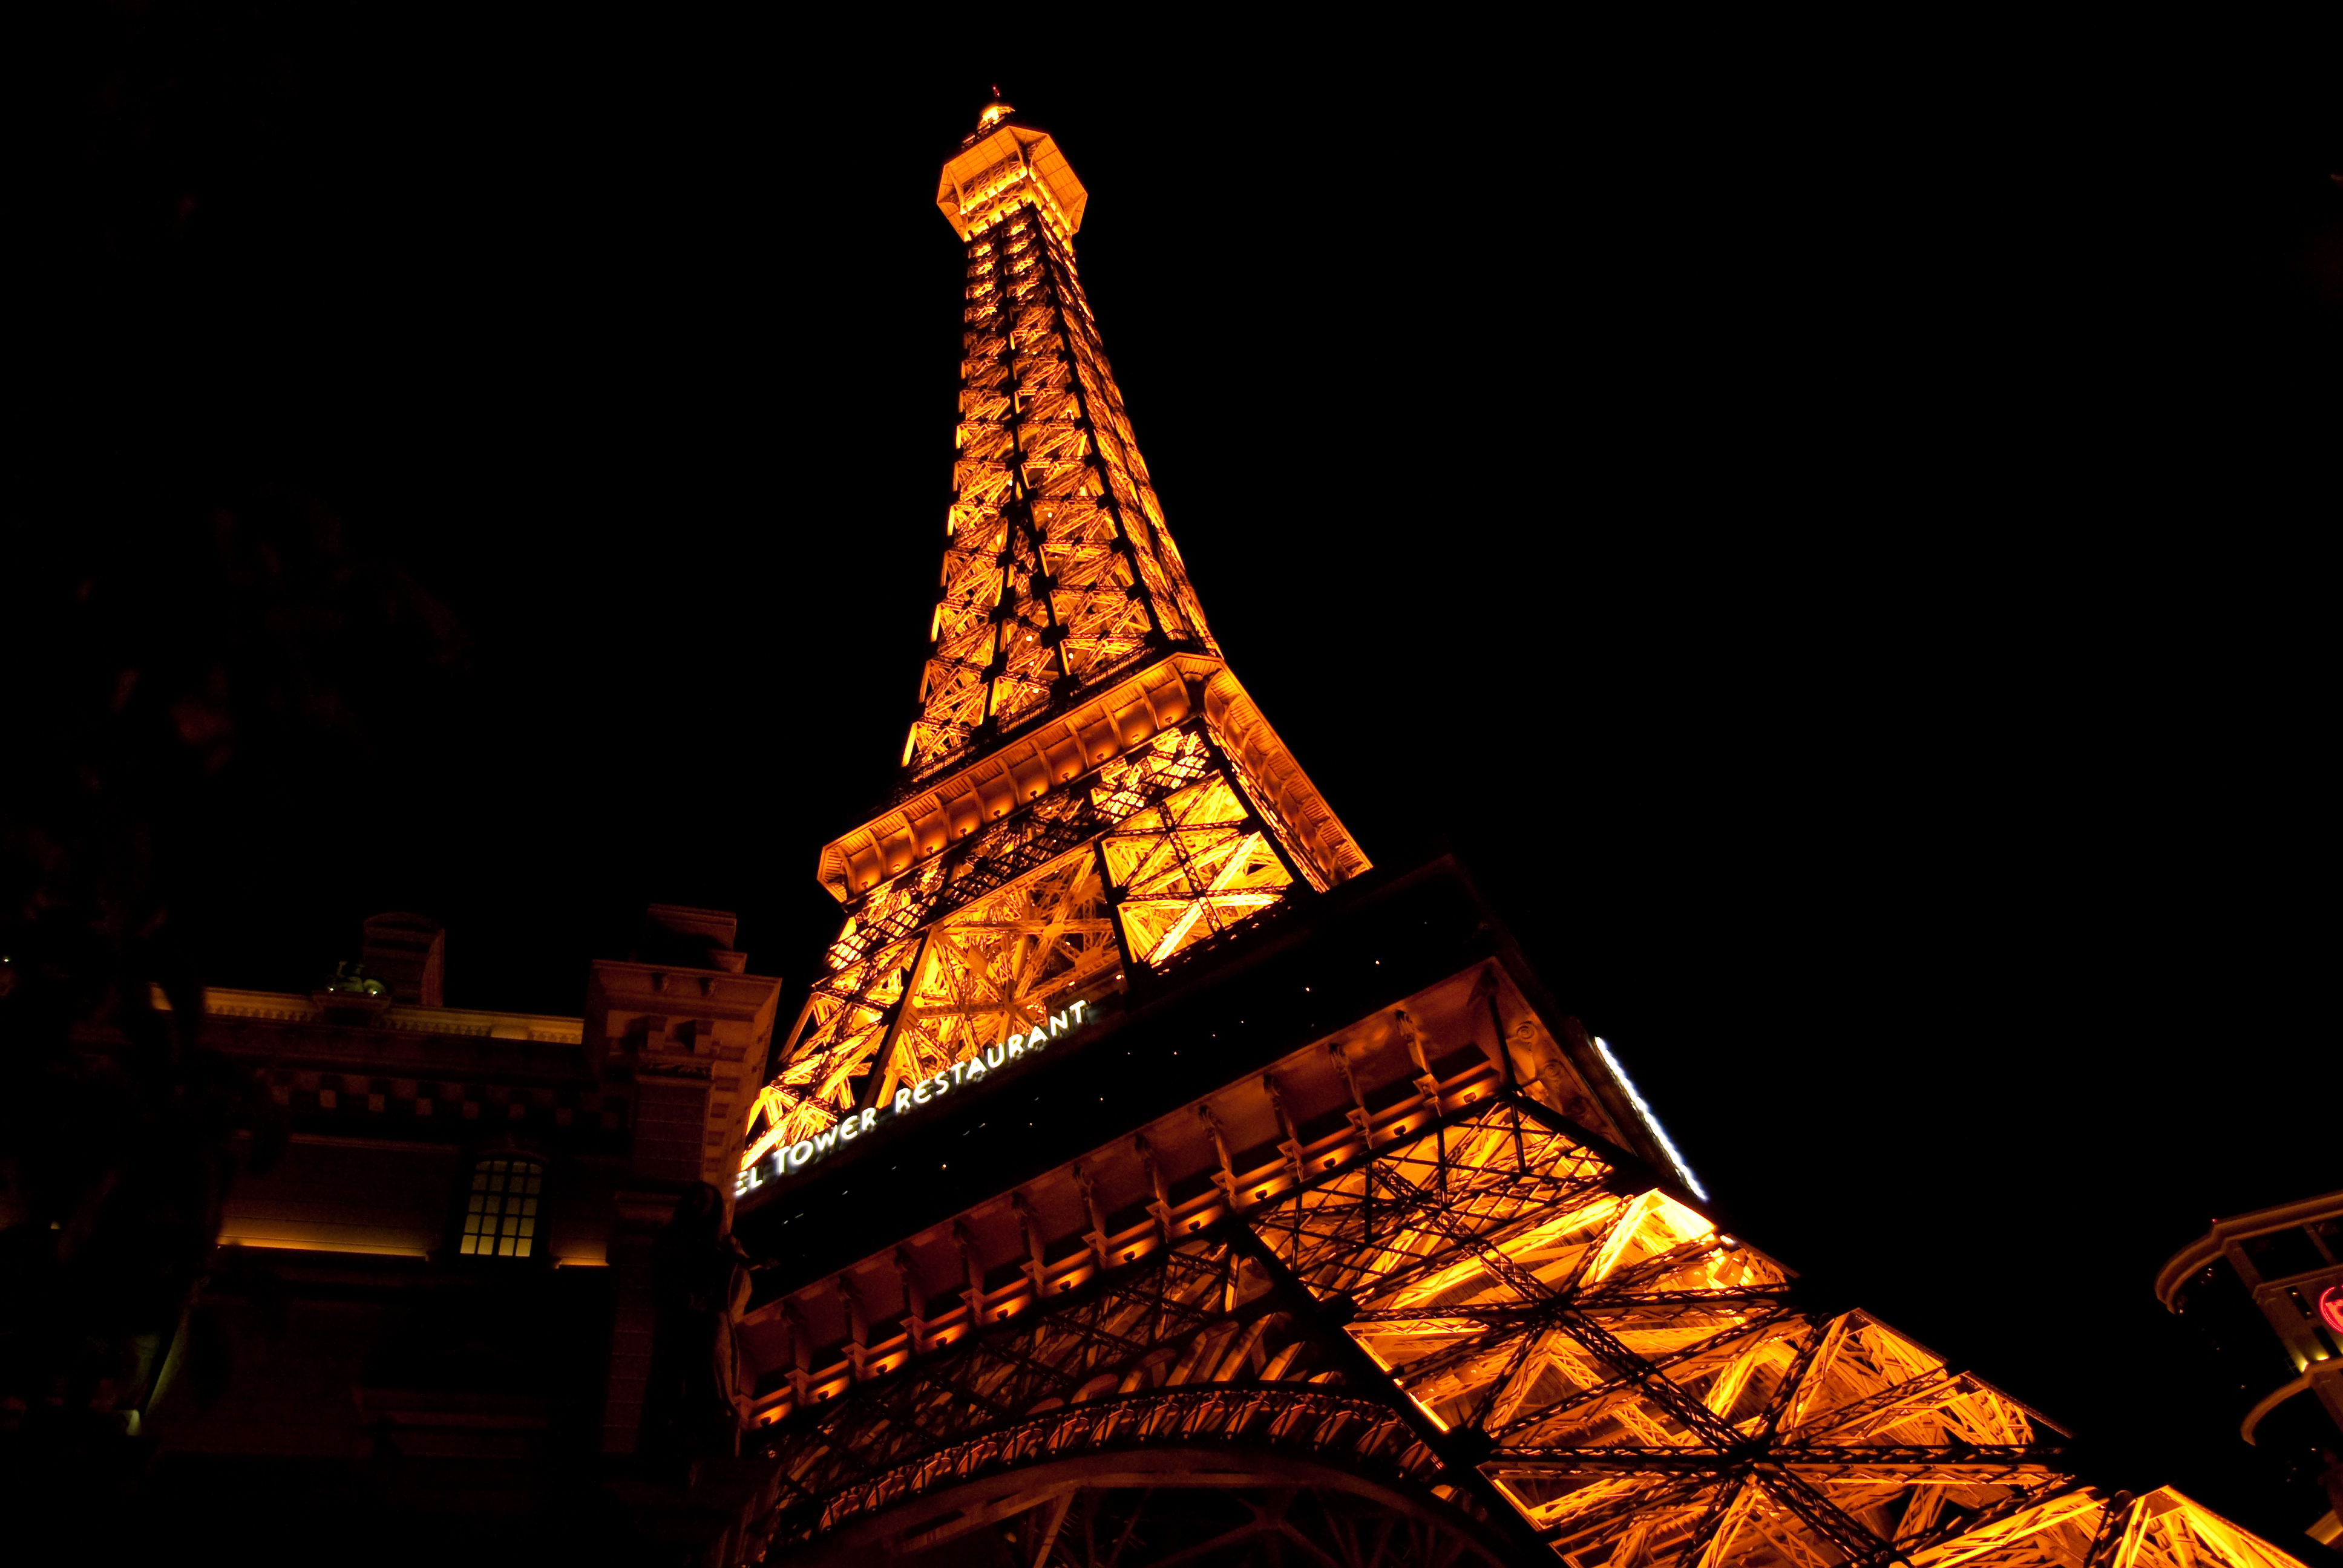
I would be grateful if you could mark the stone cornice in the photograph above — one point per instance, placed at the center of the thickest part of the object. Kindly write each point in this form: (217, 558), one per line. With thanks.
(281, 1007)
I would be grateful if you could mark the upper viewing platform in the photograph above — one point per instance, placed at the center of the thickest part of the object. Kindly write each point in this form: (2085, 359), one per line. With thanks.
(1000, 162)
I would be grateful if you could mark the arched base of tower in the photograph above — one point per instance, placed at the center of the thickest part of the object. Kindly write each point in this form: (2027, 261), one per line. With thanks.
(1385, 1297)
(1141, 1507)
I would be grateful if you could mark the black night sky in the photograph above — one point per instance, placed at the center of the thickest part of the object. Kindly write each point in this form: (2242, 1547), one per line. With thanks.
(1822, 551)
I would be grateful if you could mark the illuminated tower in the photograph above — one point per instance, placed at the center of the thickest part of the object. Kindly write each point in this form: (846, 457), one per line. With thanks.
(1149, 1180)
(1087, 791)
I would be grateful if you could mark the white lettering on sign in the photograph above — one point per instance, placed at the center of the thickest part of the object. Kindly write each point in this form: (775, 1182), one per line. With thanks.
(857, 1124)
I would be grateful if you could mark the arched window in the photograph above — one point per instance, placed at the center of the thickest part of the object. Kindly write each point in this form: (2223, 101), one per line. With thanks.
(501, 1220)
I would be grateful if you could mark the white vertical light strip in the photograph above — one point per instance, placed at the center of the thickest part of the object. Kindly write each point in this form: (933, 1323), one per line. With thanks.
(1650, 1121)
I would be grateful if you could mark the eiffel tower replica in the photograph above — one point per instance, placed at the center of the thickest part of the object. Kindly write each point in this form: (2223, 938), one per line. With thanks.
(1149, 1180)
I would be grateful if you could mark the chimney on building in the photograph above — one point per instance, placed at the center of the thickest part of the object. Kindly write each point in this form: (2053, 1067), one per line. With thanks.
(408, 953)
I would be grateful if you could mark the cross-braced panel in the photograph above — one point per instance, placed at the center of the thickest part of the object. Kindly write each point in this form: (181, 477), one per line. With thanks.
(984, 971)
(994, 967)
(1007, 924)
(1190, 869)
(1017, 923)
(1482, 1316)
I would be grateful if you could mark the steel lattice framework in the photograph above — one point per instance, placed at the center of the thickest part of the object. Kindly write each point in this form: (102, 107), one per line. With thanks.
(1400, 1298)
(1147, 810)
(1474, 1343)
(1059, 572)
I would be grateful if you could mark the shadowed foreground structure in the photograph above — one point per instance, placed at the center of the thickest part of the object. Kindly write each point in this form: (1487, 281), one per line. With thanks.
(2266, 1291)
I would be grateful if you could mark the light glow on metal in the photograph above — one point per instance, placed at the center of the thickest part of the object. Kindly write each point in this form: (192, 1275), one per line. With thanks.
(1027, 864)
(1650, 1121)
(786, 1156)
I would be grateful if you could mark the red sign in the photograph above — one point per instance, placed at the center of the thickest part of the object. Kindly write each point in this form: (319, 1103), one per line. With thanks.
(2330, 1309)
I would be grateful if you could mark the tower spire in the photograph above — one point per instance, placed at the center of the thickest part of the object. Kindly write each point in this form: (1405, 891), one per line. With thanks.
(1058, 572)
(1086, 791)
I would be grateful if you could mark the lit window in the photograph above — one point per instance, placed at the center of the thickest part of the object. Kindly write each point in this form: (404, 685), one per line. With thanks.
(501, 1221)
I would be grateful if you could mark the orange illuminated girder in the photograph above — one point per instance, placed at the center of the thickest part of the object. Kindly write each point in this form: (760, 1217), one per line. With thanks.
(1450, 1329)
(1476, 1322)
(1059, 581)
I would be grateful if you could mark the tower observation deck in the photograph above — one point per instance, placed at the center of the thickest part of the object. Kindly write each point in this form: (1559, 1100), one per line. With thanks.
(1149, 1180)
